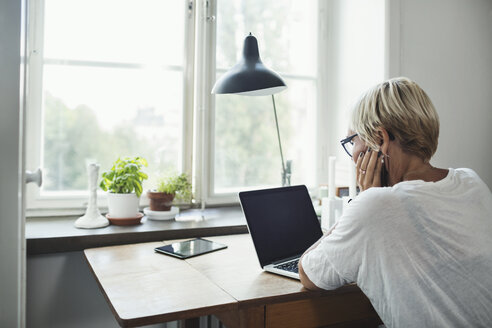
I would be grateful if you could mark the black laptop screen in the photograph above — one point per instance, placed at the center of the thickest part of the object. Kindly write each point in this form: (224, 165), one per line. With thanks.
(281, 221)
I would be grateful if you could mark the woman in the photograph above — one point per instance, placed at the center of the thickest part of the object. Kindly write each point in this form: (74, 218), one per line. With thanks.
(418, 239)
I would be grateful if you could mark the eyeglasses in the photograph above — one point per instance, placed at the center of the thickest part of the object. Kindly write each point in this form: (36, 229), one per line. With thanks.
(348, 144)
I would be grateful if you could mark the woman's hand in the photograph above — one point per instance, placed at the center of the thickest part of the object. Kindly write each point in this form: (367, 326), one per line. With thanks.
(368, 169)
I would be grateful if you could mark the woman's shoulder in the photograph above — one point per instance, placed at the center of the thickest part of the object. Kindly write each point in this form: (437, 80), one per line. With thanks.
(468, 178)
(374, 202)
(376, 194)
(465, 173)
(456, 179)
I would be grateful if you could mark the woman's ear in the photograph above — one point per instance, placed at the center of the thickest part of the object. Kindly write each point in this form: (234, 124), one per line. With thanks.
(384, 140)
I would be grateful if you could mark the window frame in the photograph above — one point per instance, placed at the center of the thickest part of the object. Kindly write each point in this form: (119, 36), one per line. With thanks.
(71, 203)
(208, 195)
(199, 74)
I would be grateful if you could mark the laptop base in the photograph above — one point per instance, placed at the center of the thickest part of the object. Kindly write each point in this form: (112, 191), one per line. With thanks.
(271, 268)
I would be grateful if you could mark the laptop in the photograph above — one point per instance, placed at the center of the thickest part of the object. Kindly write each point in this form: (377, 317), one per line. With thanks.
(283, 225)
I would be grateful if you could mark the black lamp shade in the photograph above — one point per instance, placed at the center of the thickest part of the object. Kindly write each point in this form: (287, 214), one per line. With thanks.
(249, 77)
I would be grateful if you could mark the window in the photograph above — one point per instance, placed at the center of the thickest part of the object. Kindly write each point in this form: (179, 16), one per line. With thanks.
(112, 78)
(246, 151)
(107, 80)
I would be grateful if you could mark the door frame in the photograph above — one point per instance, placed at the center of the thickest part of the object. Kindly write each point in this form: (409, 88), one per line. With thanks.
(12, 218)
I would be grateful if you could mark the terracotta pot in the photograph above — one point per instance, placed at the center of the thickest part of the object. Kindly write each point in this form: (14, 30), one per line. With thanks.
(160, 201)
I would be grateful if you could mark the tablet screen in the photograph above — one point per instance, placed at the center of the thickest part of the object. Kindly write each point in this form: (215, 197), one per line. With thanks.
(190, 248)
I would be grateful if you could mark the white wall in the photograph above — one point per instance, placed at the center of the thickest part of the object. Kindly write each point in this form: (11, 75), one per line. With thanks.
(446, 47)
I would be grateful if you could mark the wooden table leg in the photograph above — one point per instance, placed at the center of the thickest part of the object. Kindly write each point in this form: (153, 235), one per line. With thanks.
(243, 318)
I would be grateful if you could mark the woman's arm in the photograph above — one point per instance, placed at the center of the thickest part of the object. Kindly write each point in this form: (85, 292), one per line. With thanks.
(367, 178)
(306, 282)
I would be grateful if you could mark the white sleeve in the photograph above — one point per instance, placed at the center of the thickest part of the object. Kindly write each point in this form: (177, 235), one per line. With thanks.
(320, 271)
(337, 259)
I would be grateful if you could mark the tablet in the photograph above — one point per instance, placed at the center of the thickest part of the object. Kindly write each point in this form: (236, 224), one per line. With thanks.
(190, 248)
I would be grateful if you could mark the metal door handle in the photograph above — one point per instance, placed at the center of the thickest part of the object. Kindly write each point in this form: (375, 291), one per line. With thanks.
(36, 177)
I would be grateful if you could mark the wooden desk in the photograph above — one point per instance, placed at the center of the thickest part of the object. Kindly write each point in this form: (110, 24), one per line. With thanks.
(143, 287)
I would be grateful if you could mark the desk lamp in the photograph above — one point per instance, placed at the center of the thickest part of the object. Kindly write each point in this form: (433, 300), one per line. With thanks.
(250, 77)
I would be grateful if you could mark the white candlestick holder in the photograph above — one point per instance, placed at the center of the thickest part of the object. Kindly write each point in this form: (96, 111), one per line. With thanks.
(92, 218)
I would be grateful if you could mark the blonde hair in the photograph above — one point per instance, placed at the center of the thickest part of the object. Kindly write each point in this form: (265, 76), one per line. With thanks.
(403, 109)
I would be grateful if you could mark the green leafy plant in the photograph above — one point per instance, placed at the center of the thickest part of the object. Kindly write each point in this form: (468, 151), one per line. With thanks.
(126, 176)
(177, 184)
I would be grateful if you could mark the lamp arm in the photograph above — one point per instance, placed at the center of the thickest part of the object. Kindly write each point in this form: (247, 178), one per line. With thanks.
(278, 135)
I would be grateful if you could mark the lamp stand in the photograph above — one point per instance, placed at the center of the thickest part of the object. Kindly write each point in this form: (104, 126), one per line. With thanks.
(286, 170)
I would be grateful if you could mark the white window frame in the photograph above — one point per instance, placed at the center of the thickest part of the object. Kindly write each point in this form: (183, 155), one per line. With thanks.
(206, 105)
(47, 204)
(198, 109)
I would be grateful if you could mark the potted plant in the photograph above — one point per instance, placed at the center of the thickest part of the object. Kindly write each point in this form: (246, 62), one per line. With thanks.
(124, 185)
(175, 187)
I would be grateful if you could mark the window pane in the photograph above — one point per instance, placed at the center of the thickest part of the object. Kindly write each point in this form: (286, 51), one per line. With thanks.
(95, 112)
(286, 31)
(149, 31)
(246, 145)
(247, 153)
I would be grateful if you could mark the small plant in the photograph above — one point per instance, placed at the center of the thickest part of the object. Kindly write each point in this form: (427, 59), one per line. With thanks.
(178, 185)
(125, 176)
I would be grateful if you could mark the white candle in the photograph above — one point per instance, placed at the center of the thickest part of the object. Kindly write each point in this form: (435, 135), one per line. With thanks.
(352, 183)
(331, 177)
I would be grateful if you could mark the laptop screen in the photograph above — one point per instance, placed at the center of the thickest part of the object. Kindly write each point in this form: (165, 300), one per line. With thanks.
(281, 221)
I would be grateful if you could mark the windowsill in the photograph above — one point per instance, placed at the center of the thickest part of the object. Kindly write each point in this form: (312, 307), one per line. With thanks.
(54, 235)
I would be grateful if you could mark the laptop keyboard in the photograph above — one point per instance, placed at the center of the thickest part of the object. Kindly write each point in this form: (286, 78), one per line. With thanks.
(291, 266)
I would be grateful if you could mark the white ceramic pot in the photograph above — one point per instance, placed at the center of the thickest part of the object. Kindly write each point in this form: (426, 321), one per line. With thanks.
(122, 205)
